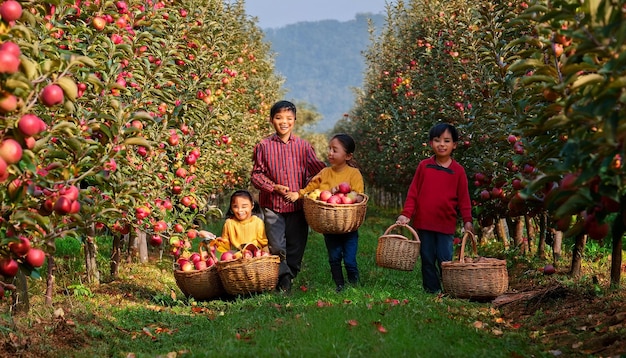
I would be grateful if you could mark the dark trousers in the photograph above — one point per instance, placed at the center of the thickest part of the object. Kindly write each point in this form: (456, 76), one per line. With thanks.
(287, 235)
(343, 248)
(435, 248)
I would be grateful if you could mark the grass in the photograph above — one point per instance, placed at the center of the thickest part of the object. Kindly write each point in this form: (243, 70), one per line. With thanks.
(387, 315)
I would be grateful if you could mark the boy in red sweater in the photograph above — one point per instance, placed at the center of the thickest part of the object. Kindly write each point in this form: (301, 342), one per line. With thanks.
(437, 195)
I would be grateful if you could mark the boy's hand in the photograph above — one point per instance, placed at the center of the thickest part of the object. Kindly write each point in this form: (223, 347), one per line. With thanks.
(402, 220)
(281, 189)
(469, 227)
(292, 196)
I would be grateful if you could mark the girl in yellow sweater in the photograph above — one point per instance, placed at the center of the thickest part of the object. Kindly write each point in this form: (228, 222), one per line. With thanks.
(241, 226)
(342, 169)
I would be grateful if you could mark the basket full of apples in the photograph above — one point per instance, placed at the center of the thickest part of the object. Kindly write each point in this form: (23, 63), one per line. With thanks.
(196, 275)
(250, 270)
(335, 213)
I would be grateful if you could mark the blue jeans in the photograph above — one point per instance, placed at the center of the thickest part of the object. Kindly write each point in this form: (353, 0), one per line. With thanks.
(435, 248)
(343, 247)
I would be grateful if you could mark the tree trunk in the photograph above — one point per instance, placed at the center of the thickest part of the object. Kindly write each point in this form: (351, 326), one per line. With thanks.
(116, 256)
(131, 241)
(501, 232)
(577, 256)
(21, 302)
(543, 232)
(142, 244)
(557, 245)
(91, 250)
(518, 232)
(616, 254)
(530, 233)
(50, 280)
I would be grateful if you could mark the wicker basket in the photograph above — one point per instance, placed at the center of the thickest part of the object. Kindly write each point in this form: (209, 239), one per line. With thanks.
(478, 278)
(396, 251)
(202, 284)
(328, 218)
(249, 275)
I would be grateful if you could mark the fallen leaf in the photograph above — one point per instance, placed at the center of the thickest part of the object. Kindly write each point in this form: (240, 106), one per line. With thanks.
(352, 322)
(499, 320)
(496, 332)
(478, 325)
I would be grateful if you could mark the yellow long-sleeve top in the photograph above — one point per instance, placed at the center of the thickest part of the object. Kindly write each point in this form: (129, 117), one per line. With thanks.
(329, 178)
(237, 233)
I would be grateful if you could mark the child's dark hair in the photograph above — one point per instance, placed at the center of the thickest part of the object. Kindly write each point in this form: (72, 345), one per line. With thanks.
(282, 106)
(256, 209)
(438, 129)
(348, 144)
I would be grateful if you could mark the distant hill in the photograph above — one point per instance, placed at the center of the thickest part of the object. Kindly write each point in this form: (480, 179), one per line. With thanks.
(322, 61)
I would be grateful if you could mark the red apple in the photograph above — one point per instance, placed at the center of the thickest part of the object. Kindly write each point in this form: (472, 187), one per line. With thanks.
(200, 265)
(325, 195)
(8, 267)
(192, 234)
(187, 266)
(496, 192)
(71, 192)
(173, 140)
(226, 256)
(344, 188)
(210, 262)
(347, 200)
(9, 63)
(35, 257)
(160, 226)
(63, 205)
(8, 103)
(142, 212)
(21, 247)
(156, 240)
(98, 23)
(142, 151)
(335, 199)
(186, 201)
(512, 139)
(195, 257)
(191, 159)
(31, 125)
(485, 194)
(181, 172)
(177, 189)
(178, 228)
(10, 10)
(10, 151)
(52, 95)
(548, 269)
(11, 47)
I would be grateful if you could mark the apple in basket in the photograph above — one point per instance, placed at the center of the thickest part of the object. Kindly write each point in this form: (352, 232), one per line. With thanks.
(195, 257)
(335, 199)
(200, 265)
(210, 262)
(347, 200)
(247, 254)
(325, 195)
(226, 256)
(344, 188)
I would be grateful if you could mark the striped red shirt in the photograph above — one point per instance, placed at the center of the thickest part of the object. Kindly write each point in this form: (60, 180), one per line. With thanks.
(291, 164)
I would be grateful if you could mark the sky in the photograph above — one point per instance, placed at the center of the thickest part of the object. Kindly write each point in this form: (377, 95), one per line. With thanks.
(278, 13)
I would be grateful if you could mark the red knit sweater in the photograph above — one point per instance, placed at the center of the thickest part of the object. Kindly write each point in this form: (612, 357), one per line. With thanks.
(437, 196)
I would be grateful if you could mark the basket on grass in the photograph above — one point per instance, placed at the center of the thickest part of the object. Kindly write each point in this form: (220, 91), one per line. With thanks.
(202, 284)
(328, 218)
(396, 251)
(479, 278)
(249, 275)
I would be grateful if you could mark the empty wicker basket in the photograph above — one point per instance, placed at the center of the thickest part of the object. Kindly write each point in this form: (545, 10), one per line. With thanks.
(479, 278)
(396, 251)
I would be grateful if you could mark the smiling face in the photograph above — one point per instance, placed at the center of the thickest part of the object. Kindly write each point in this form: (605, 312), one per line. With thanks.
(443, 146)
(283, 122)
(241, 207)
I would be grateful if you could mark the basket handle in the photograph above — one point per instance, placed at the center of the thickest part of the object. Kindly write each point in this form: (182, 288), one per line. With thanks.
(413, 232)
(204, 244)
(474, 251)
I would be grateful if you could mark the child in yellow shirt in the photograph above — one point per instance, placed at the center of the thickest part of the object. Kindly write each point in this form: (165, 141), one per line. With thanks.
(241, 226)
(342, 169)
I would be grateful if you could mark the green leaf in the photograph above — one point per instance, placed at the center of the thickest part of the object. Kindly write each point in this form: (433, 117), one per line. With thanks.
(585, 80)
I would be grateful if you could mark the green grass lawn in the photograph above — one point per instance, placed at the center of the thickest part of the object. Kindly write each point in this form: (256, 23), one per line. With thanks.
(387, 315)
